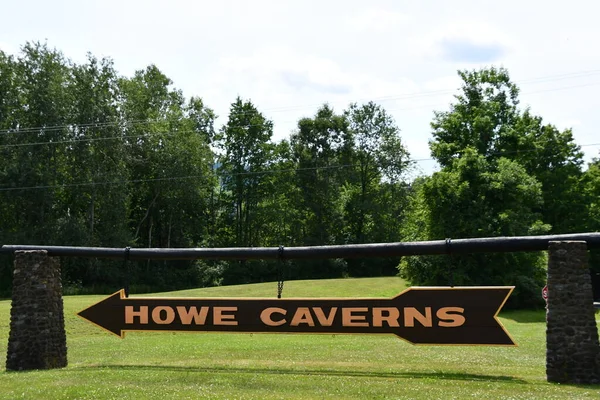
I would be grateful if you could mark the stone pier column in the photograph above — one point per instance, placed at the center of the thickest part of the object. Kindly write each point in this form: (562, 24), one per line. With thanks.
(572, 349)
(37, 338)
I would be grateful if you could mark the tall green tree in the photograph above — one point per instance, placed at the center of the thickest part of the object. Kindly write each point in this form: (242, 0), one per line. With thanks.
(34, 116)
(283, 220)
(93, 208)
(36, 111)
(321, 151)
(504, 173)
(8, 208)
(591, 187)
(374, 191)
(95, 154)
(377, 154)
(592, 191)
(486, 117)
(170, 164)
(477, 198)
(556, 161)
(481, 117)
(246, 154)
(322, 155)
(169, 161)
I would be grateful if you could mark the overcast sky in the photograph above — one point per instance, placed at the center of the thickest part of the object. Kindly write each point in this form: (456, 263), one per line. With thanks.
(291, 57)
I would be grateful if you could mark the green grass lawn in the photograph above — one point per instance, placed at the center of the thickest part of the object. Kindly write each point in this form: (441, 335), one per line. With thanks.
(265, 366)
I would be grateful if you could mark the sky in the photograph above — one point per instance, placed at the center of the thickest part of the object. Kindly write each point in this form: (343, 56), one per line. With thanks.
(291, 57)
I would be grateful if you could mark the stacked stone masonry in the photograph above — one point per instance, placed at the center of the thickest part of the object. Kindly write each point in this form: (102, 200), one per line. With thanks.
(573, 352)
(37, 338)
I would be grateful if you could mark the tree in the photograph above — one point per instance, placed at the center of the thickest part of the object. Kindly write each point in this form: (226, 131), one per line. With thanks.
(591, 188)
(88, 158)
(592, 191)
(379, 161)
(93, 208)
(322, 158)
(37, 114)
(34, 113)
(8, 208)
(486, 118)
(95, 154)
(477, 198)
(170, 164)
(555, 160)
(247, 152)
(377, 154)
(283, 220)
(481, 118)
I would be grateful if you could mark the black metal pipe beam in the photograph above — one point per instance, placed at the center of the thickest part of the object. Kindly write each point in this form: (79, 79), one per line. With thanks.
(457, 246)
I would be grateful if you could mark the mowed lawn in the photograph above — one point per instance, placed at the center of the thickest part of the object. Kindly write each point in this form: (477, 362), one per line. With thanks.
(281, 366)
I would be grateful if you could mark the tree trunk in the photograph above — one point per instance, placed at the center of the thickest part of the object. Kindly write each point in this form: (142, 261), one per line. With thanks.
(169, 230)
(92, 206)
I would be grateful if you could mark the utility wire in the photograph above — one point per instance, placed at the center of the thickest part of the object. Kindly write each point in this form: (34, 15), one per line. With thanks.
(441, 92)
(174, 178)
(247, 126)
(245, 173)
(171, 133)
(407, 96)
(85, 140)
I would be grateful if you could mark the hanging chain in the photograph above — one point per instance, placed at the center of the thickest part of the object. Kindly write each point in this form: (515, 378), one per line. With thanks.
(451, 269)
(280, 272)
(126, 268)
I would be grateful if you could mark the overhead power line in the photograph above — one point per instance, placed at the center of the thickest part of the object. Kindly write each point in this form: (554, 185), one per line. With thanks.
(149, 134)
(407, 96)
(221, 174)
(173, 178)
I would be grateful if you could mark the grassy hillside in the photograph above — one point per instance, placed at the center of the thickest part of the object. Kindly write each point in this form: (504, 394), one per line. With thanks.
(263, 366)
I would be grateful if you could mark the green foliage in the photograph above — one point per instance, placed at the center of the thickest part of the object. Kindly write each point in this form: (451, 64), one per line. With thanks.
(486, 118)
(247, 152)
(481, 117)
(92, 158)
(319, 153)
(107, 162)
(592, 192)
(475, 197)
(553, 158)
(591, 188)
(373, 197)
(504, 173)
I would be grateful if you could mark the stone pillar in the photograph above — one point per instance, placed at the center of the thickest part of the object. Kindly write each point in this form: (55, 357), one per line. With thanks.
(572, 349)
(37, 338)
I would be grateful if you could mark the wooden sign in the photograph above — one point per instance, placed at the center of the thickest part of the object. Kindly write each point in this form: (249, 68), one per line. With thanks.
(420, 315)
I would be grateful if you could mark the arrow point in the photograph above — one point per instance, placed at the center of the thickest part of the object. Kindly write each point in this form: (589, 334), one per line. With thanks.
(396, 297)
(405, 339)
(105, 314)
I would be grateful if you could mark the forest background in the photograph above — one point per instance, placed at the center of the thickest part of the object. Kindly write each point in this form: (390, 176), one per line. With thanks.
(92, 158)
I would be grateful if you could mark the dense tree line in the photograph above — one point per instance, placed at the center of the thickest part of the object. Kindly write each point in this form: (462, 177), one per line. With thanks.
(89, 157)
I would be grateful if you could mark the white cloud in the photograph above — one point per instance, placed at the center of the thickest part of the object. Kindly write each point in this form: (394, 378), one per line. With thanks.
(289, 58)
(476, 34)
(287, 85)
(309, 77)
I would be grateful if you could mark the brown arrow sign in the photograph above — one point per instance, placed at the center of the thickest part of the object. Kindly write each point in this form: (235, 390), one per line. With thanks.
(420, 315)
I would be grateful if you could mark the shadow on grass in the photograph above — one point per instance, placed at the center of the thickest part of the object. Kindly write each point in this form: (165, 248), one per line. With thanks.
(316, 372)
(526, 316)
